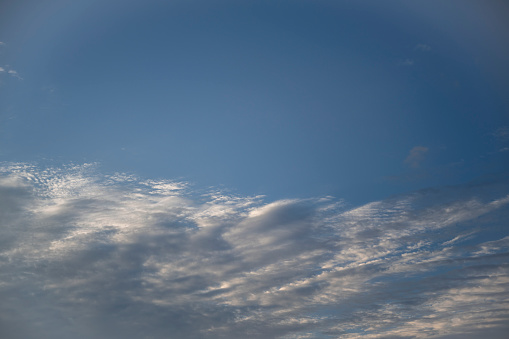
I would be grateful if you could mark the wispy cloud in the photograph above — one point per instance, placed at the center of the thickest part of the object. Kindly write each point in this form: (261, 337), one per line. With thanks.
(502, 133)
(501, 136)
(14, 74)
(8, 70)
(416, 156)
(422, 47)
(407, 62)
(113, 256)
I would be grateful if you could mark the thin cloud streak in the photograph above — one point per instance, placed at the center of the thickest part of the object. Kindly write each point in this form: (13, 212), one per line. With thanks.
(89, 255)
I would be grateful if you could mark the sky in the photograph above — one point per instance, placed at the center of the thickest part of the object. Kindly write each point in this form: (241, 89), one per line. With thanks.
(255, 169)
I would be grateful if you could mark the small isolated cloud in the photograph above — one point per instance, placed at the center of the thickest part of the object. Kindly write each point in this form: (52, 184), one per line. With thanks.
(14, 74)
(407, 62)
(502, 133)
(7, 69)
(422, 47)
(88, 255)
(416, 156)
(501, 136)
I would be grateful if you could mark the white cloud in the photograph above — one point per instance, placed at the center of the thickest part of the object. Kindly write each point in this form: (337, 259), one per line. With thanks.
(87, 255)
(11, 72)
(14, 74)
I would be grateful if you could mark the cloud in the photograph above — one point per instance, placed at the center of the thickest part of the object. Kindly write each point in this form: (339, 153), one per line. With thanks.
(416, 156)
(7, 68)
(502, 133)
(11, 72)
(89, 255)
(14, 74)
(422, 47)
(407, 62)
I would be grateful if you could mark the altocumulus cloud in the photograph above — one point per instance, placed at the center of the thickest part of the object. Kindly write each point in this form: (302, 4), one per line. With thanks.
(88, 255)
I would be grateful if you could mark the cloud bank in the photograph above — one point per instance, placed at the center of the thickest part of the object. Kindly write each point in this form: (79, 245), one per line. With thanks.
(88, 255)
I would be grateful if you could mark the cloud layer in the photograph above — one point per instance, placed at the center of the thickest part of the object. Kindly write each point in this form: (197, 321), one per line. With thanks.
(88, 255)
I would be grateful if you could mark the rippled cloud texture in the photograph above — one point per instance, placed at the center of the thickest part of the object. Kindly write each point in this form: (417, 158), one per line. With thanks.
(88, 255)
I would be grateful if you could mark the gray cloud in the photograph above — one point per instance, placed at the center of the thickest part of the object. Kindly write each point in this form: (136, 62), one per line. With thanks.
(87, 255)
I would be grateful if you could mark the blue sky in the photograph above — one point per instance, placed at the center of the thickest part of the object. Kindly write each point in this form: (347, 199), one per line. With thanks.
(282, 141)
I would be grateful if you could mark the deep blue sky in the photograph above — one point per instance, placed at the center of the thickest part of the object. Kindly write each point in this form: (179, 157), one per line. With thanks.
(283, 98)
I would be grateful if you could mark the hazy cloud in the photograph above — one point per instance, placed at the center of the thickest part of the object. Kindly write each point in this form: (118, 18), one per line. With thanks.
(407, 62)
(416, 156)
(422, 47)
(502, 133)
(86, 255)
